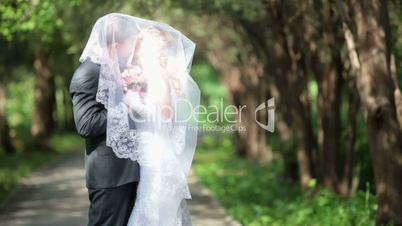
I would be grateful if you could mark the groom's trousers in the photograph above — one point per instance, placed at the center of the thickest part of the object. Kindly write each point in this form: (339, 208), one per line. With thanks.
(111, 206)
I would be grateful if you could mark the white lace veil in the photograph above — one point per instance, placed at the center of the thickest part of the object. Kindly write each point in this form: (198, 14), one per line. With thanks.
(156, 124)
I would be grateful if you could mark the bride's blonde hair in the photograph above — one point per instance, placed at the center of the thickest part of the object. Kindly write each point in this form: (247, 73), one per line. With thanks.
(165, 44)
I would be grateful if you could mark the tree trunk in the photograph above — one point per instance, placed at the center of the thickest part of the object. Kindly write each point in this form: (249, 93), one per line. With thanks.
(290, 82)
(391, 60)
(5, 138)
(296, 93)
(278, 86)
(289, 59)
(349, 181)
(321, 46)
(376, 90)
(43, 121)
(305, 139)
(350, 177)
(329, 86)
(243, 76)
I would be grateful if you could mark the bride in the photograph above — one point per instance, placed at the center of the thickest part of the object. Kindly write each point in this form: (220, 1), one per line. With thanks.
(151, 101)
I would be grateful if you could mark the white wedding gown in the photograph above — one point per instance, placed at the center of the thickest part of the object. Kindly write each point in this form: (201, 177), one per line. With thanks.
(162, 183)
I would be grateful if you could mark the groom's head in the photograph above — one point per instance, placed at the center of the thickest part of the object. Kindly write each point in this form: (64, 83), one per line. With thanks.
(120, 36)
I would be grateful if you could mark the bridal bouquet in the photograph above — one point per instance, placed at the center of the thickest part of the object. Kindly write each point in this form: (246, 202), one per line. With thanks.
(133, 79)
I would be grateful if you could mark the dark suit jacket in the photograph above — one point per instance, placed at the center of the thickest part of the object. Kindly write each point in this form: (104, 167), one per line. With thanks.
(103, 168)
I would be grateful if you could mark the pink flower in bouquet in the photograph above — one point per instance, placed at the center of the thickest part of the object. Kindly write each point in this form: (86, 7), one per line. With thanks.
(134, 79)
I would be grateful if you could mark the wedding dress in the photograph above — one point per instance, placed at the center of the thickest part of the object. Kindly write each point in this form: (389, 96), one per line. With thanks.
(164, 181)
(144, 72)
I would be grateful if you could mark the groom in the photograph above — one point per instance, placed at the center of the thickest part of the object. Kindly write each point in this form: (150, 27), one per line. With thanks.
(111, 181)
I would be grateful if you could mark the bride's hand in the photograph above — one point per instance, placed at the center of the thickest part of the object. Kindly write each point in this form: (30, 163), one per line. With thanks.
(133, 101)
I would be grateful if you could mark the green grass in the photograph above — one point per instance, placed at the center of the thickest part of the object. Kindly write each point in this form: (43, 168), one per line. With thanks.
(256, 195)
(19, 165)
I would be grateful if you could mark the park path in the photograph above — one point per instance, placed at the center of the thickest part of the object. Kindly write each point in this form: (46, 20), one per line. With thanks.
(55, 195)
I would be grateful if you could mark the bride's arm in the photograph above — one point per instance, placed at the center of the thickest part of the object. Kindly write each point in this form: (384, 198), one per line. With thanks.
(157, 98)
(162, 104)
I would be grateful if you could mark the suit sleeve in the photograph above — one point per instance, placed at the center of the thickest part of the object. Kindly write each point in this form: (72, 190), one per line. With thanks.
(89, 115)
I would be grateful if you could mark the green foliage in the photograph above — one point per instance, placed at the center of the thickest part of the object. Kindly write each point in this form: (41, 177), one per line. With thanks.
(213, 92)
(65, 142)
(239, 9)
(20, 103)
(20, 106)
(26, 19)
(312, 89)
(208, 80)
(256, 195)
